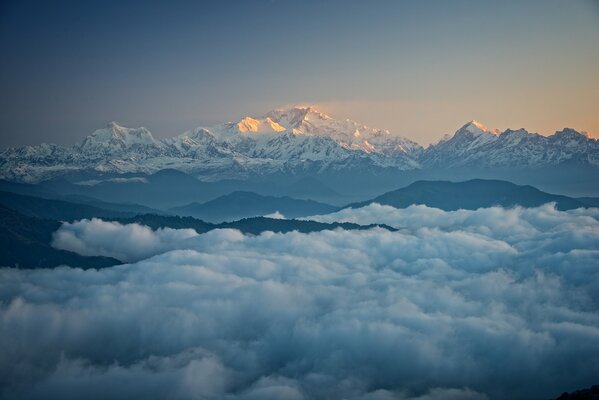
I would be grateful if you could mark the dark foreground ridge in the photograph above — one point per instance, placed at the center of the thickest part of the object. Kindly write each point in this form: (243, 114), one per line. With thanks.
(583, 394)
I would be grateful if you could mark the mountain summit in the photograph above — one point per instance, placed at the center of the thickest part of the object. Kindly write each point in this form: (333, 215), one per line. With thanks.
(476, 127)
(117, 138)
(297, 117)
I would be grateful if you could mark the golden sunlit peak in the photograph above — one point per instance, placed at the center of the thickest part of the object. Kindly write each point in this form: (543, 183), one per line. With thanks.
(479, 125)
(249, 124)
(475, 126)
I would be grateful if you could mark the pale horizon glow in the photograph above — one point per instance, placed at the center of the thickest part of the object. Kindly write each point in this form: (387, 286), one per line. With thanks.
(411, 121)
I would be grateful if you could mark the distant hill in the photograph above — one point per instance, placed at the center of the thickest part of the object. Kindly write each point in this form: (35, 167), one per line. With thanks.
(163, 221)
(122, 207)
(258, 225)
(253, 226)
(243, 204)
(46, 191)
(309, 187)
(25, 243)
(27, 189)
(162, 189)
(61, 210)
(471, 195)
(591, 201)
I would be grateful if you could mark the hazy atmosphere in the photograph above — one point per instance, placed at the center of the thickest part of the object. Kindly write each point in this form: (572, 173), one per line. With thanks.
(299, 200)
(419, 69)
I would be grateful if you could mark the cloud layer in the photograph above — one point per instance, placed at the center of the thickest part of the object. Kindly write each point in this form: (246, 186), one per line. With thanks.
(486, 304)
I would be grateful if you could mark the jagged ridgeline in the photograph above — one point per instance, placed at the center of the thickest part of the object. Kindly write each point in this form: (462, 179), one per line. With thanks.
(287, 145)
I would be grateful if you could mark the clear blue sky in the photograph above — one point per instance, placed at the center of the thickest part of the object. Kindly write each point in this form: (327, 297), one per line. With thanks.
(420, 69)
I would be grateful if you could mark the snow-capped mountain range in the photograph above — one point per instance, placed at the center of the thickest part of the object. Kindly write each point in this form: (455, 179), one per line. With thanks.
(291, 140)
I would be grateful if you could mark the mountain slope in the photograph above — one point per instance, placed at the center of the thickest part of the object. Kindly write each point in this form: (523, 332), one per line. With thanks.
(471, 195)
(241, 204)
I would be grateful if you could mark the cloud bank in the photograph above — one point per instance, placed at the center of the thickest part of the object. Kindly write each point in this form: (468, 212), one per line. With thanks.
(131, 242)
(486, 304)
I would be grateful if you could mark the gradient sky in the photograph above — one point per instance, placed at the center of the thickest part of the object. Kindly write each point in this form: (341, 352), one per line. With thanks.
(420, 69)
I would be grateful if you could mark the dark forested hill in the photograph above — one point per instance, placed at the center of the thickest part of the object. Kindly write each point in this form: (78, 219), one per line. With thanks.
(471, 195)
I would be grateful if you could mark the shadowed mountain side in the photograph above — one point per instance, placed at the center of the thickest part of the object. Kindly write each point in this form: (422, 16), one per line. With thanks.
(171, 188)
(130, 208)
(44, 192)
(228, 208)
(164, 188)
(241, 204)
(61, 210)
(25, 243)
(470, 195)
(28, 189)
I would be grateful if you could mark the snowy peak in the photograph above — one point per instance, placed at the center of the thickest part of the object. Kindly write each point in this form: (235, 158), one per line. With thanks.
(476, 128)
(475, 125)
(348, 134)
(471, 135)
(115, 135)
(295, 117)
(264, 125)
(475, 145)
(300, 128)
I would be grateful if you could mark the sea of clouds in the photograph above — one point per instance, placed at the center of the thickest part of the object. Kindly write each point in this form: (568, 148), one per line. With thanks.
(487, 304)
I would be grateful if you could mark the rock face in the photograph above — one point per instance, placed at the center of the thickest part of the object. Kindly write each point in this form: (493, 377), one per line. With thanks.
(293, 140)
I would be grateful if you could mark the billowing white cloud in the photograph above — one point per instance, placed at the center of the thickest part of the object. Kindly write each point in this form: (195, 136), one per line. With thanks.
(486, 304)
(132, 242)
